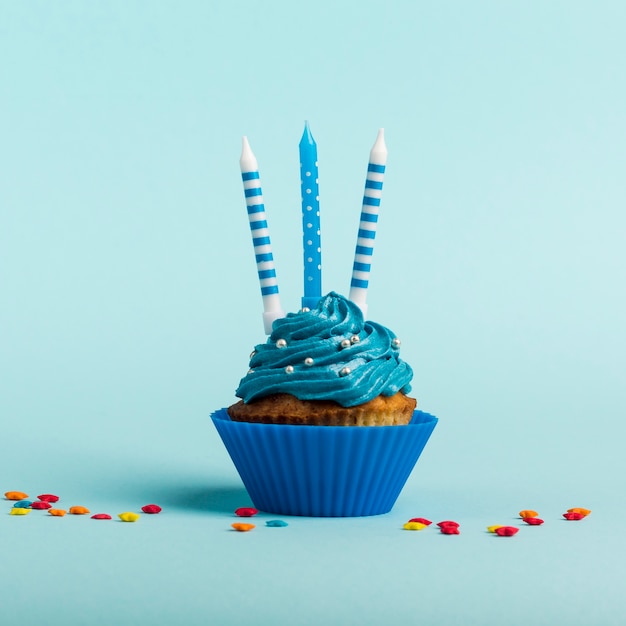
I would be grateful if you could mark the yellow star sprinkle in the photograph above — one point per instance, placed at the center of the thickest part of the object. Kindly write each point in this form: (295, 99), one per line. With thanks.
(414, 526)
(492, 529)
(18, 511)
(129, 517)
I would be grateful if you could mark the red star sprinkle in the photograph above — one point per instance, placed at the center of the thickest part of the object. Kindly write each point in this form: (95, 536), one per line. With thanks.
(448, 523)
(449, 530)
(41, 505)
(573, 516)
(421, 520)
(533, 521)
(101, 516)
(48, 497)
(506, 531)
(151, 509)
(246, 511)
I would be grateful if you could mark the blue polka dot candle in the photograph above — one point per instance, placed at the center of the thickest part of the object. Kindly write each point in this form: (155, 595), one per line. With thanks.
(260, 237)
(367, 225)
(311, 241)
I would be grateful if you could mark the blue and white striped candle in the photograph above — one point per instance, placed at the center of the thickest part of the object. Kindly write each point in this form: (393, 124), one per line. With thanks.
(260, 237)
(369, 220)
(311, 241)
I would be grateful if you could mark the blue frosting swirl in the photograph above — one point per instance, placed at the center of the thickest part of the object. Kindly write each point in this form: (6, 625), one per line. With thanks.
(328, 353)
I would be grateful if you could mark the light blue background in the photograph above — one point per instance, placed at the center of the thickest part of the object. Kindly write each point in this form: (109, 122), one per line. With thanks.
(129, 301)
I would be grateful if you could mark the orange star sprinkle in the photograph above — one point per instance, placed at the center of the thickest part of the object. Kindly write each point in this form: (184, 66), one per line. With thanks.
(577, 509)
(243, 528)
(79, 510)
(15, 495)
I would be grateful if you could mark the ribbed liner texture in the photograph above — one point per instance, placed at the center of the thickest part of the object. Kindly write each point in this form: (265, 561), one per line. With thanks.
(324, 471)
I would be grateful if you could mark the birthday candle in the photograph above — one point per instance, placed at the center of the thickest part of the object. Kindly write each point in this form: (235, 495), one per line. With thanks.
(260, 237)
(367, 225)
(311, 242)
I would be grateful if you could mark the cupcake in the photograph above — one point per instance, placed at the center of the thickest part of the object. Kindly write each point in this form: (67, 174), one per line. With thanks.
(325, 427)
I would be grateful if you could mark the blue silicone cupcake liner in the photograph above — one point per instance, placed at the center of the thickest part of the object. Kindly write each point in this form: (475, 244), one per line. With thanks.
(324, 471)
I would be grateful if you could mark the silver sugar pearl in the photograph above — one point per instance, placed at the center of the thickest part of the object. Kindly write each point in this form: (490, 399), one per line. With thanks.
(346, 343)
(355, 339)
(308, 361)
(250, 371)
(345, 371)
(395, 342)
(253, 353)
(304, 309)
(289, 369)
(281, 343)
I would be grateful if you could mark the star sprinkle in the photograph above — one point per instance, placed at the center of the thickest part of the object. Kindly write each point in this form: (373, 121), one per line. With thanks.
(48, 497)
(15, 495)
(151, 509)
(19, 511)
(577, 509)
(573, 516)
(79, 510)
(492, 529)
(448, 527)
(246, 511)
(41, 505)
